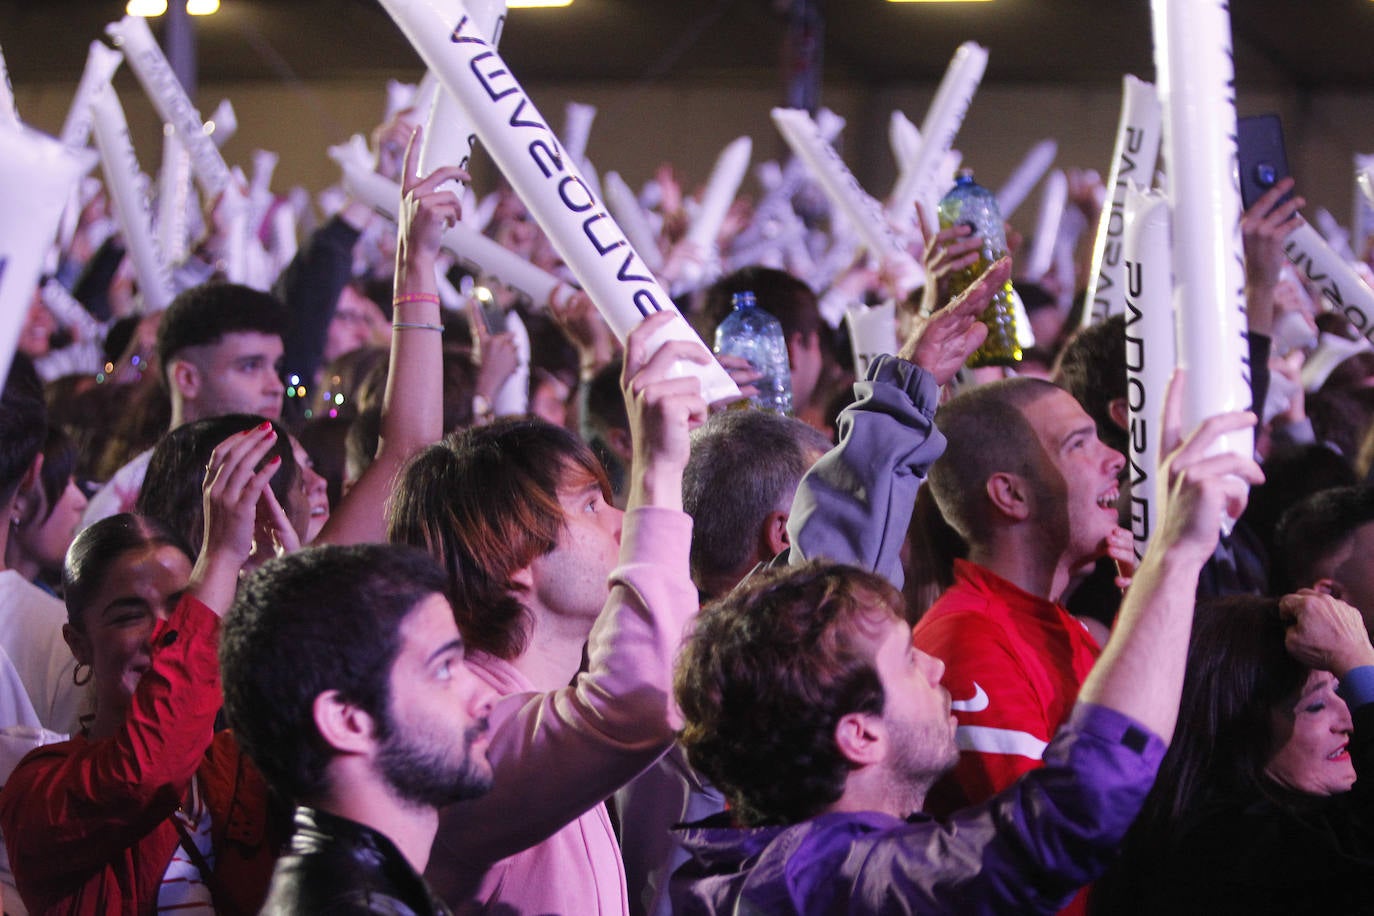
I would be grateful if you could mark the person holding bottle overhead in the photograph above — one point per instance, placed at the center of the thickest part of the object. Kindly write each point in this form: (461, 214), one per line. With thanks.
(755, 335)
(969, 203)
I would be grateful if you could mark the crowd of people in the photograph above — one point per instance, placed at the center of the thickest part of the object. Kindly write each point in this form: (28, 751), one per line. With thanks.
(330, 597)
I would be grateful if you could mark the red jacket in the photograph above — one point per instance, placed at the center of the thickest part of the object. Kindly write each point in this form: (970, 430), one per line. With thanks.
(89, 823)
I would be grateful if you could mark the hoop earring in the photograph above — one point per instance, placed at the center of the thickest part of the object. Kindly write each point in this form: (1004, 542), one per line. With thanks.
(76, 674)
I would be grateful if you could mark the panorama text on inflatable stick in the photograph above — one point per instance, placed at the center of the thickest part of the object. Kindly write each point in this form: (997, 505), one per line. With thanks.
(1133, 159)
(1150, 356)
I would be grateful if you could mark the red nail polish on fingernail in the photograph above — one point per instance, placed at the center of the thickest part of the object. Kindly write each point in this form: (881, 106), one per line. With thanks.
(266, 425)
(276, 459)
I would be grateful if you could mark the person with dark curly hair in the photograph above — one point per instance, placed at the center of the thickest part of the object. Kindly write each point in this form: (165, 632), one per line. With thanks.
(808, 706)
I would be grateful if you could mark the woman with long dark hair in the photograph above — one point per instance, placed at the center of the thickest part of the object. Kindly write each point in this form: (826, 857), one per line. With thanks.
(1257, 807)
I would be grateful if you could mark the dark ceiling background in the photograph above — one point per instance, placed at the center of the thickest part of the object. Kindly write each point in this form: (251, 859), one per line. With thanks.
(1308, 45)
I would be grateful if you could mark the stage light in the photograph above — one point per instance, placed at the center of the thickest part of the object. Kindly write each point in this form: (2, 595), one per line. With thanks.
(146, 8)
(149, 9)
(536, 4)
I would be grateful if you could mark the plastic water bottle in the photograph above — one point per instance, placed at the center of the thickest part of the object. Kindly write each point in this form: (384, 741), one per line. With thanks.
(974, 205)
(752, 333)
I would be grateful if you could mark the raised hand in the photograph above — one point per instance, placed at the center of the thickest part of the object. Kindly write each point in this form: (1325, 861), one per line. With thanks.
(944, 341)
(1264, 228)
(1087, 192)
(1202, 485)
(389, 141)
(274, 535)
(495, 356)
(683, 257)
(426, 212)
(946, 252)
(670, 205)
(662, 412)
(577, 317)
(1325, 633)
(233, 486)
(742, 373)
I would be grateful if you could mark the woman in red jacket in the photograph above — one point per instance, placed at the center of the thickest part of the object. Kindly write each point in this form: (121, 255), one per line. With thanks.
(148, 809)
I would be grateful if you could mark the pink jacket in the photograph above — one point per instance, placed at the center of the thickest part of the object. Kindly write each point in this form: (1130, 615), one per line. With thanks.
(557, 756)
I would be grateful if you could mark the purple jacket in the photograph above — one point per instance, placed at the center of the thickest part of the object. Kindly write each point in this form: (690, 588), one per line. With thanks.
(1025, 850)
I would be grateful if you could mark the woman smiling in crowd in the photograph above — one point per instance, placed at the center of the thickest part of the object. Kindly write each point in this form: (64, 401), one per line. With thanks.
(1257, 808)
(148, 809)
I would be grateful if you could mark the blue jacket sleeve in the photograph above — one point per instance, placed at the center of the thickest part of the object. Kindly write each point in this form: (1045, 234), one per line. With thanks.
(854, 505)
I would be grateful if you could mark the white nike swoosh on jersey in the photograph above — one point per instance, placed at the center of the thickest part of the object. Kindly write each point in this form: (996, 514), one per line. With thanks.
(976, 703)
(983, 740)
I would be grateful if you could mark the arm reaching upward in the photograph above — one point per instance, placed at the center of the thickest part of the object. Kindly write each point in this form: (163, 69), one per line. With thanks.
(1140, 672)
(412, 408)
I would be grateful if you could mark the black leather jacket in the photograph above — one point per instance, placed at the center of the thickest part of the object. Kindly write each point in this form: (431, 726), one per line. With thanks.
(336, 866)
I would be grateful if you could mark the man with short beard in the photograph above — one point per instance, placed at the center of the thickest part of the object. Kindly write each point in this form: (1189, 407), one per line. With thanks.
(344, 680)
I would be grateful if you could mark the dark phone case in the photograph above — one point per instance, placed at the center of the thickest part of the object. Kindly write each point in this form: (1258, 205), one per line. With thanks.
(1261, 155)
(493, 317)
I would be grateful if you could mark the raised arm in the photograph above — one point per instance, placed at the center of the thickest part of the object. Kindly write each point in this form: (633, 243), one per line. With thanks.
(558, 754)
(412, 408)
(662, 412)
(1264, 229)
(234, 486)
(854, 505)
(310, 286)
(1140, 672)
(70, 808)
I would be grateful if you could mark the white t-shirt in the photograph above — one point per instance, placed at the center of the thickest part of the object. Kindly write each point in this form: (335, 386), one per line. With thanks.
(120, 492)
(15, 707)
(31, 634)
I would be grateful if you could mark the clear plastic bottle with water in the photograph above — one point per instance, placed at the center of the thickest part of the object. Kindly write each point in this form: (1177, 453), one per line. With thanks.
(752, 333)
(974, 205)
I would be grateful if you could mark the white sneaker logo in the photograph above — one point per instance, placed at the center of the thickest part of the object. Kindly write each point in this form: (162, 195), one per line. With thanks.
(976, 703)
